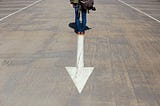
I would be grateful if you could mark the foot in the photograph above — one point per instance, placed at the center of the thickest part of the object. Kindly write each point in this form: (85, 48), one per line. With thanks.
(78, 33)
(83, 33)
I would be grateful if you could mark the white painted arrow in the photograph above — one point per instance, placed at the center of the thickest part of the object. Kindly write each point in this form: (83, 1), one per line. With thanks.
(80, 74)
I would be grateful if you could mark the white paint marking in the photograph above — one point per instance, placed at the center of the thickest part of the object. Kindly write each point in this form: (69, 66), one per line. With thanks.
(20, 10)
(80, 74)
(13, 2)
(139, 11)
(80, 52)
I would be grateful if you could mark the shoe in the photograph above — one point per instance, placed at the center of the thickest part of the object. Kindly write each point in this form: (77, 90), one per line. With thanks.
(83, 33)
(78, 33)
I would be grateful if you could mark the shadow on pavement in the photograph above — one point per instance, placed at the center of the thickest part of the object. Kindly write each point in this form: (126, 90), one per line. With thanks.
(73, 26)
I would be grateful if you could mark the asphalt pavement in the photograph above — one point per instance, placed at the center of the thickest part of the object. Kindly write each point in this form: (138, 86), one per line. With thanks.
(122, 43)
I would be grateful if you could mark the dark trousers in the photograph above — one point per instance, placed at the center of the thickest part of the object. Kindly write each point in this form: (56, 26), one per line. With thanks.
(80, 27)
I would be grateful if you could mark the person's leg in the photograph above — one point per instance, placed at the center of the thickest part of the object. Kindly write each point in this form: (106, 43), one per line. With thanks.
(84, 20)
(77, 20)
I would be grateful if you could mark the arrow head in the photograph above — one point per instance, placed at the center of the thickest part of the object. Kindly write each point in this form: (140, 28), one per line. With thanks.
(79, 76)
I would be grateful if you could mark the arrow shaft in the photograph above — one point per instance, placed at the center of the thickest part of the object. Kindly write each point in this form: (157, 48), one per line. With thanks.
(80, 52)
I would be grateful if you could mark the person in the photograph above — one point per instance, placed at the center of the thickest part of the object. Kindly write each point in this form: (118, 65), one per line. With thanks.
(80, 28)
